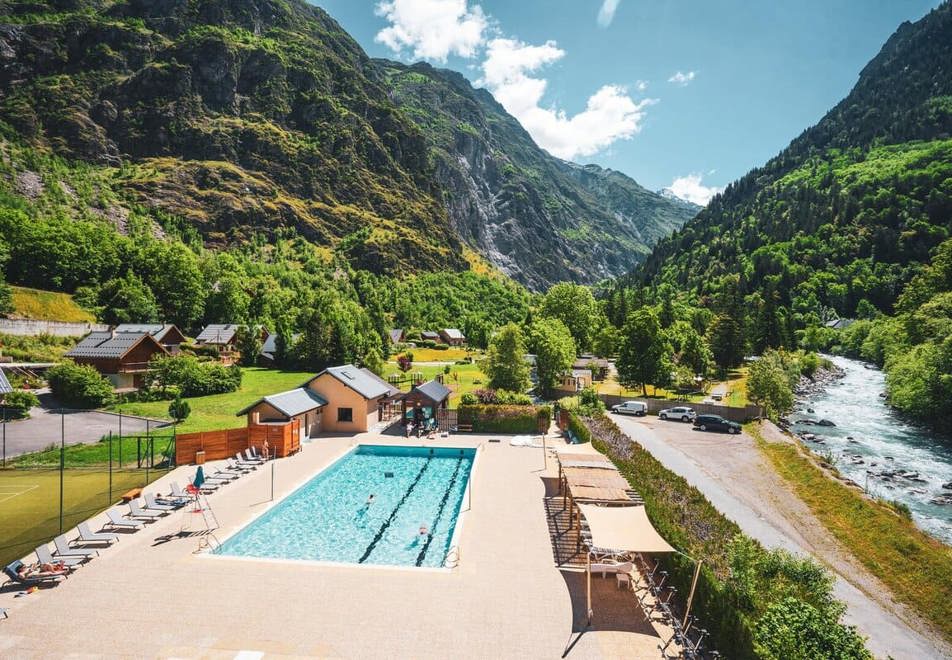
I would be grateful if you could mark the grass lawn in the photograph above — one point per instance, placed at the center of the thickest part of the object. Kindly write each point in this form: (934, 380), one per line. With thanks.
(916, 567)
(48, 306)
(434, 355)
(735, 385)
(29, 502)
(461, 379)
(217, 411)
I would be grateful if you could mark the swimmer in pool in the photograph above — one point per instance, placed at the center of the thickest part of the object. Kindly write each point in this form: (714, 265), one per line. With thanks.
(362, 511)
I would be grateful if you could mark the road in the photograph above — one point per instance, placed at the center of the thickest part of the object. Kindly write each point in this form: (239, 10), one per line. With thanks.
(736, 478)
(46, 425)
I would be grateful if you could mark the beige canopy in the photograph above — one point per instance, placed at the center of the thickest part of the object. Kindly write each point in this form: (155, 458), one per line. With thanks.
(585, 448)
(624, 529)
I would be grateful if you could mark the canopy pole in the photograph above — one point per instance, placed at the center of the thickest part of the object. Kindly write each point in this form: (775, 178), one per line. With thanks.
(588, 582)
(697, 572)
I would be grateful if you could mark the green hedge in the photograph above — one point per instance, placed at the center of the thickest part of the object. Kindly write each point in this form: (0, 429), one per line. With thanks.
(729, 606)
(505, 419)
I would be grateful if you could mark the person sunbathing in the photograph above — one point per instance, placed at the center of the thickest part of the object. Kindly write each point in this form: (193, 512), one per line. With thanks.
(44, 569)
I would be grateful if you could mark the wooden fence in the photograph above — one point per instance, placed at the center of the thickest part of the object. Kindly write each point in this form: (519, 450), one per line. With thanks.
(733, 413)
(283, 440)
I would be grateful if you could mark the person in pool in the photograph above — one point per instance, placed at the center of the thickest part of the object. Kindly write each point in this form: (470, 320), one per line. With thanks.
(362, 511)
(420, 535)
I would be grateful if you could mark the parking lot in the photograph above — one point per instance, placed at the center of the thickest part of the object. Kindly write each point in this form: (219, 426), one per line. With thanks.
(46, 425)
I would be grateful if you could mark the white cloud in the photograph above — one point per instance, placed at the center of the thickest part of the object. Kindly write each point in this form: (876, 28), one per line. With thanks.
(433, 29)
(681, 78)
(609, 115)
(691, 189)
(607, 12)
(641, 85)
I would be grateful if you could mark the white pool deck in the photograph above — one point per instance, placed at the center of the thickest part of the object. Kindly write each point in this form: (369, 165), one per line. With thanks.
(506, 599)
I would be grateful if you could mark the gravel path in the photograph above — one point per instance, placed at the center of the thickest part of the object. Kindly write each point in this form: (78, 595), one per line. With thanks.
(737, 479)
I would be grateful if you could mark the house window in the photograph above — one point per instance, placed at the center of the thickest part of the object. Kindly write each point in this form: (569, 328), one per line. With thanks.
(345, 414)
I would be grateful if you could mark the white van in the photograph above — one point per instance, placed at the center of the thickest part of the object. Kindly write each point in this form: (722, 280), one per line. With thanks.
(636, 408)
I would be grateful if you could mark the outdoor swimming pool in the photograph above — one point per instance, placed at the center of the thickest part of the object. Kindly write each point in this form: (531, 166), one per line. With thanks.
(329, 518)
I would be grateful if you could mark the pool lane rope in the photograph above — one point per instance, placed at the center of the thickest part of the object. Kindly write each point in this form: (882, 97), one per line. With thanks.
(393, 514)
(439, 513)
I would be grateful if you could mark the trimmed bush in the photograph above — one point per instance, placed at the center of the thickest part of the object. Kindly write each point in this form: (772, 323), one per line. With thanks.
(79, 386)
(505, 419)
(18, 403)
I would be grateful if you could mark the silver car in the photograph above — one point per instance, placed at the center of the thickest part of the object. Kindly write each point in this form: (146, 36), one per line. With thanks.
(680, 412)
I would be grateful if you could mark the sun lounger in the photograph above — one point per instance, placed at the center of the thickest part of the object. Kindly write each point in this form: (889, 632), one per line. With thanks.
(224, 476)
(63, 550)
(87, 535)
(118, 521)
(151, 504)
(251, 458)
(245, 463)
(176, 501)
(10, 570)
(136, 511)
(44, 556)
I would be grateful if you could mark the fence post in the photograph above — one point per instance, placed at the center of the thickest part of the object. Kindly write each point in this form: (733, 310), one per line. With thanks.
(120, 438)
(110, 466)
(4, 436)
(62, 464)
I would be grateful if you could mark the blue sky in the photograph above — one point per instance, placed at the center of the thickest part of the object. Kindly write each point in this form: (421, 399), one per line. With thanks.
(689, 94)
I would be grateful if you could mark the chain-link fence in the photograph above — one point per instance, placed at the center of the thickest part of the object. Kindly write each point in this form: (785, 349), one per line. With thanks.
(70, 476)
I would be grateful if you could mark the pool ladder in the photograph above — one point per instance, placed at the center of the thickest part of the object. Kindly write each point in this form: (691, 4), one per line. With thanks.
(452, 557)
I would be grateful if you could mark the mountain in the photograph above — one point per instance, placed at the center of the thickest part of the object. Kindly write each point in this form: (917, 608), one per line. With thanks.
(253, 118)
(538, 218)
(242, 117)
(847, 214)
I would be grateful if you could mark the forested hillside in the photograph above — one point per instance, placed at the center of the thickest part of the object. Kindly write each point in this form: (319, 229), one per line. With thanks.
(505, 196)
(847, 221)
(852, 208)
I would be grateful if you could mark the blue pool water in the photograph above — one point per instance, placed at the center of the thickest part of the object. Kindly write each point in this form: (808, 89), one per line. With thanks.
(327, 518)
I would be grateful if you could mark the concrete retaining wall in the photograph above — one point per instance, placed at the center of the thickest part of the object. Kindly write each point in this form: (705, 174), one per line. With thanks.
(29, 327)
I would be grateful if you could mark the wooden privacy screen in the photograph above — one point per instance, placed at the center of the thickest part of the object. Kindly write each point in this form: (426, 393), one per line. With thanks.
(283, 440)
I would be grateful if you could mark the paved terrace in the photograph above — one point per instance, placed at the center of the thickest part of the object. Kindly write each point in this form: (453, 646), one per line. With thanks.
(151, 597)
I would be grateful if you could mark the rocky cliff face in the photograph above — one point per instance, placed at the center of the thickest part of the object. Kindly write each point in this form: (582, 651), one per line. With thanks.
(538, 218)
(255, 117)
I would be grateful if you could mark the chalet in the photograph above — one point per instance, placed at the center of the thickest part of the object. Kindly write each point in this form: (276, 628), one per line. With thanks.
(396, 335)
(339, 399)
(429, 335)
(165, 333)
(425, 400)
(269, 347)
(122, 357)
(452, 336)
(574, 380)
(598, 366)
(224, 337)
(301, 404)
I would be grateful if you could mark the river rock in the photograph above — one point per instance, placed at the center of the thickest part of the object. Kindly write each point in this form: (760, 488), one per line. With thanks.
(947, 486)
(826, 422)
(810, 410)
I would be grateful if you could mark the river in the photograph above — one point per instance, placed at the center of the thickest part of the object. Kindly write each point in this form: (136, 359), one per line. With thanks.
(872, 446)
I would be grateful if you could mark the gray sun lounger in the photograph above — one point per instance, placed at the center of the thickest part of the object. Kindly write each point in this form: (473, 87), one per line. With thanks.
(63, 549)
(87, 535)
(118, 521)
(44, 556)
(136, 511)
(152, 504)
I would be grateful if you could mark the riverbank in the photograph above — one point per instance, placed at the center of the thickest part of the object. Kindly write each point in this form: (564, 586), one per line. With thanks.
(916, 568)
(844, 418)
(741, 482)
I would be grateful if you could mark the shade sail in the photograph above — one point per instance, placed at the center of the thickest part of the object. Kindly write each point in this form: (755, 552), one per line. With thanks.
(623, 529)
(594, 493)
(595, 477)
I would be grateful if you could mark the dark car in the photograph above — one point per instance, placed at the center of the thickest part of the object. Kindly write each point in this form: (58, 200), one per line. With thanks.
(715, 423)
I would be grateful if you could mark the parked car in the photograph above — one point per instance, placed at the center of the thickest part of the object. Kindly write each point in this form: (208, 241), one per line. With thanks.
(636, 408)
(680, 412)
(716, 423)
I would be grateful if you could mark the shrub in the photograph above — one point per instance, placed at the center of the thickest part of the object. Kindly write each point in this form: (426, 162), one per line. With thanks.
(18, 403)
(468, 399)
(194, 378)
(79, 386)
(504, 419)
(179, 410)
(405, 362)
